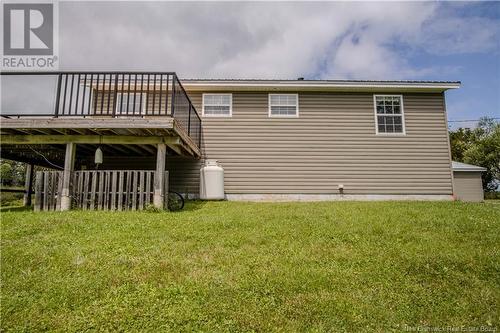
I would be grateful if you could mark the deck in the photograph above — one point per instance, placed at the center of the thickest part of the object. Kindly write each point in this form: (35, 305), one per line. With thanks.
(124, 113)
(116, 137)
(127, 115)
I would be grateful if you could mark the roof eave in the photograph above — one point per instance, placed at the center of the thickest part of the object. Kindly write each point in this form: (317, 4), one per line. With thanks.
(317, 86)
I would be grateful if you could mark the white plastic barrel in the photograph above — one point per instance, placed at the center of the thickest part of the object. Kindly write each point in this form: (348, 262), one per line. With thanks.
(211, 181)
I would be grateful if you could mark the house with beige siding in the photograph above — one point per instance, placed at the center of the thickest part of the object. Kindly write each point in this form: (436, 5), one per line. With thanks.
(275, 139)
(322, 140)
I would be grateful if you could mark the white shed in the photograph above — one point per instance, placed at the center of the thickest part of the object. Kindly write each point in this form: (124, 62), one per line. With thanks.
(467, 185)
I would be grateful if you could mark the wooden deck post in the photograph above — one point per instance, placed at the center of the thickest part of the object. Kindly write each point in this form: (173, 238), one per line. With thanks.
(159, 180)
(28, 184)
(38, 191)
(69, 163)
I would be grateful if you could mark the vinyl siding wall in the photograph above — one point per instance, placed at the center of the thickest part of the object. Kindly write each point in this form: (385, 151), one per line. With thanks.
(332, 142)
(468, 186)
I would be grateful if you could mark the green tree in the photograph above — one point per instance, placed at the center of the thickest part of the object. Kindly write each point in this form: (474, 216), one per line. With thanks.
(6, 173)
(480, 146)
(461, 140)
(12, 173)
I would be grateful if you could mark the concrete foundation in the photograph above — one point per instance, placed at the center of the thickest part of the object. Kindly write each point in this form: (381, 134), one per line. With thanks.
(331, 197)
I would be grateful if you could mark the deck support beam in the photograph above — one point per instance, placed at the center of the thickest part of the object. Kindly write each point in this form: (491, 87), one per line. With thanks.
(88, 139)
(28, 184)
(159, 180)
(69, 164)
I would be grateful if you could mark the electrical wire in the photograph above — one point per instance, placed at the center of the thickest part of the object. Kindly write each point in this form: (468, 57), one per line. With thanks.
(46, 159)
(470, 120)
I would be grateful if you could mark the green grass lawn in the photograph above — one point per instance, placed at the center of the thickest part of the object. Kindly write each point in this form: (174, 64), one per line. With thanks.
(226, 266)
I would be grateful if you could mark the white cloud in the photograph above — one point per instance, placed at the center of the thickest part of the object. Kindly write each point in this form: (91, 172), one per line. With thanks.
(266, 40)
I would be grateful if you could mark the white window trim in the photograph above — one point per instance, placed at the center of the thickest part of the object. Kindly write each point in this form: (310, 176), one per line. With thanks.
(402, 115)
(117, 107)
(217, 115)
(296, 115)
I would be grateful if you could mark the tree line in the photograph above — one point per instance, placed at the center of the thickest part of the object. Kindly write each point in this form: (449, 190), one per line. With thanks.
(479, 146)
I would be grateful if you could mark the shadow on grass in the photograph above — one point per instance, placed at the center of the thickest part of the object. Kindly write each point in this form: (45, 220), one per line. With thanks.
(15, 209)
(192, 205)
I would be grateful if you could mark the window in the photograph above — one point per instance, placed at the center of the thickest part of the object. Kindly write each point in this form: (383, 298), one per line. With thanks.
(217, 105)
(130, 103)
(281, 105)
(389, 114)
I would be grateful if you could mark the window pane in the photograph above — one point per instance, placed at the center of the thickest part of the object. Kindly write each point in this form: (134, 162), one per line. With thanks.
(291, 100)
(283, 104)
(390, 124)
(275, 99)
(285, 100)
(216, 110)
(218, 99)
(283, 110)
(389, 114)
(217, 104)
(209, 99)
(381, 120)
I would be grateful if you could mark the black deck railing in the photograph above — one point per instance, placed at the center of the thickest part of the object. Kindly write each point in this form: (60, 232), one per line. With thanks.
(108, 94)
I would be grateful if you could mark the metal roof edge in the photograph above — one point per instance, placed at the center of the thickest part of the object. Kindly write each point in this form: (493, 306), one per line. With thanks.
(459, 166)
(253, 83)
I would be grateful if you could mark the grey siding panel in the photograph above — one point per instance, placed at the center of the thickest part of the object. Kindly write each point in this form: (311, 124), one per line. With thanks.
(468, 186)
(332, 142)
(184, 174)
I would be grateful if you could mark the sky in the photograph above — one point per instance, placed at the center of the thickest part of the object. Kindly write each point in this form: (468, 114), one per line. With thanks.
(446, 41)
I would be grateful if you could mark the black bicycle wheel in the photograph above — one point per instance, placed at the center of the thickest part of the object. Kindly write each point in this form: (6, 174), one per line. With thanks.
(175, 201)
